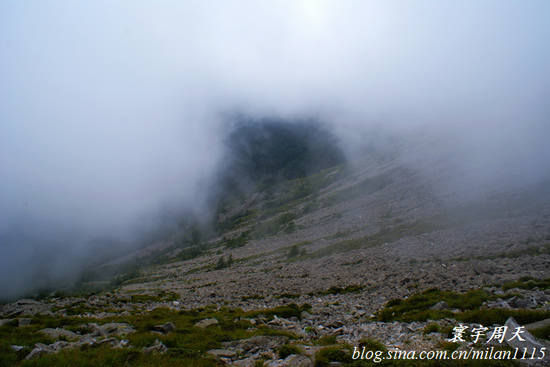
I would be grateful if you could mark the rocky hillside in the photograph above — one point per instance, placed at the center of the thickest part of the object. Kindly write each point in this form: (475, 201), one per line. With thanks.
(298, 267)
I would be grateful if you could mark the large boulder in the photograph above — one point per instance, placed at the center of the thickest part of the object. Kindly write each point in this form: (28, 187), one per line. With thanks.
(529, 342)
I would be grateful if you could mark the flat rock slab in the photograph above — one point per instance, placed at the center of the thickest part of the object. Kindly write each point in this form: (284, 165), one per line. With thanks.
(206, 323)
(226, 353)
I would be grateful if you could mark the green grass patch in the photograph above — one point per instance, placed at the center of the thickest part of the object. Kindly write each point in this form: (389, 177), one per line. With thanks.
(325, 356)
(371, 344)
(239, 241)
(342, 356)
(106, 356)
(288, 349)
(326, 340)
(187, 344)
(542, 333)
(27, 336)
(432, 327)
(237, 221)
(270, 227)
(254, 296)
(286, 311)
(527, 283)
(417, 308)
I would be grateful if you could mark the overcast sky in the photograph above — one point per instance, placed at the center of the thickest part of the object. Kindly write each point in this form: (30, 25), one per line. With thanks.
(110, 110)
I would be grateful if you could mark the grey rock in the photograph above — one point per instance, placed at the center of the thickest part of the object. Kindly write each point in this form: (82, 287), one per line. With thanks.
(26, 302)
(441, 305)
(58, 345)
(112, 328)
(499, 304)
(165, 328)
(257, 343)
(206, 323)
(14, 313)
(112, 341)
(247, 362)
(157, 347)
(16, 348)
(518, 302)
(39, 349)
(298, 361)
(226, 353)
(87, 340)
(529, 342)
(97, 330)
(118, 328)
(335, 324)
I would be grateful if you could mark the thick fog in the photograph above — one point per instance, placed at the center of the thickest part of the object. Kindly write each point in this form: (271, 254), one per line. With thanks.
(112, 113)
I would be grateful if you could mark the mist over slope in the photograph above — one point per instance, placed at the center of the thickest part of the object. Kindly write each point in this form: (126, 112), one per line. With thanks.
(113, 116)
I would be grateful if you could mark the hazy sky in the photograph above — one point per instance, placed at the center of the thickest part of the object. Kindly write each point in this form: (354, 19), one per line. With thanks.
(110, 110)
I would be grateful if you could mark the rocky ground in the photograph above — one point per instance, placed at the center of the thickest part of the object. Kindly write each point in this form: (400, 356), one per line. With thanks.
(313, 277)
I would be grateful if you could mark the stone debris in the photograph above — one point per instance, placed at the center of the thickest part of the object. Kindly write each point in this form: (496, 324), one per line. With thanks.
(402, 258)
(439, 306)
